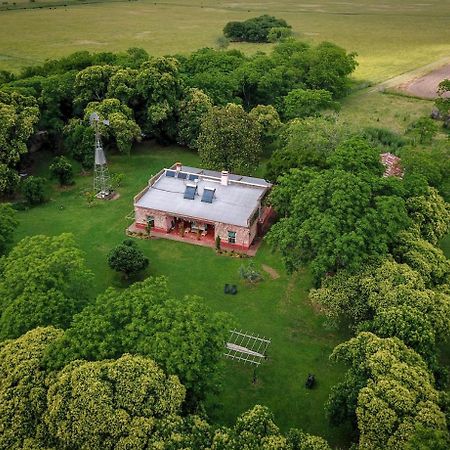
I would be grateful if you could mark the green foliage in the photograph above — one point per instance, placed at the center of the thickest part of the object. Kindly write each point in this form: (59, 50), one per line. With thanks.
(18, 116)
(79, 142)
(23, 387)
(301, 103)
(248, 272)
(9, 180)
(422, 130)
(384, 139)
(431, 163)
(34, 190)
(43, 281)
(127, 258)
(443, 101)
(399, 393)
(192, 110)
(95, 404)
(8, 224)
(116, 180)
(122, 128)
(428, 438)
(182, 336)
(430, 214)
(229, 140)
(256, 29)
(335, 219)
(305, 143)
(62, 169)
(279, 34)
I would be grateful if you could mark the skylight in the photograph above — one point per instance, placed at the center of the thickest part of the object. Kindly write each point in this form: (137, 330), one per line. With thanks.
(208, 195)
(190, 192)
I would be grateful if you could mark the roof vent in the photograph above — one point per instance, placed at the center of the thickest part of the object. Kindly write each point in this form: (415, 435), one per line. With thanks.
(224, 178)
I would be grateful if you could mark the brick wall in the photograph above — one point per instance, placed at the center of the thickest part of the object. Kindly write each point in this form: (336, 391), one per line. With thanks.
(244, 236)
(162, 221)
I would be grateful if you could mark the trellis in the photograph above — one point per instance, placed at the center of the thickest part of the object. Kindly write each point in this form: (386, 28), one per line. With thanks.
(247, 347)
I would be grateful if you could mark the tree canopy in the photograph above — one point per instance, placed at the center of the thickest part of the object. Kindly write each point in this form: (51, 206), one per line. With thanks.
(44, 281)
(8, 223)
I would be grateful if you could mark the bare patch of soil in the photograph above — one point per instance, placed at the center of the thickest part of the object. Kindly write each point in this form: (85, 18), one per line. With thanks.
(426, 86)
(271, 271)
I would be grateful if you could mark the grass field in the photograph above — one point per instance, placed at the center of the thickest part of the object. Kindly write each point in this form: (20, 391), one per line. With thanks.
(390, 37)
(278, 308)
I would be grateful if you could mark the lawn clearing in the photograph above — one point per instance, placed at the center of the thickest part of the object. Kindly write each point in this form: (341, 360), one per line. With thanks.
(276, 308)
(390, 38)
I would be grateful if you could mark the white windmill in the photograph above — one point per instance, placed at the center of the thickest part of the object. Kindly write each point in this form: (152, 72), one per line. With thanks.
(102, 183)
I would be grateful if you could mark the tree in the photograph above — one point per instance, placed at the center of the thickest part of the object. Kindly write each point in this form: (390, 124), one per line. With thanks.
(8, 224)
(230, 140)
(422, 130)
(443, 101)
(95, 404)
(256, 29)
(43, 281)
(301, 103)
(269, 121)
(333, 219)
(33, 189)
(192, 111)
(278, 34)
(127, 258)
(430, 214)
(9, 180)
(399, 393)
(23, 387)
(18, 116)
(182, 336)
(122, 128)
(79, 141)
(62, 169)
(305, 143)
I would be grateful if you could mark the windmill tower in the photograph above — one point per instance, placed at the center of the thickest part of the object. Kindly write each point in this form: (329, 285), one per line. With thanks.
(102, 184)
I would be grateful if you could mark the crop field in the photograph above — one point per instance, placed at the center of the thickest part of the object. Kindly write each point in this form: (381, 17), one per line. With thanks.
(390, 37)
(277, 308)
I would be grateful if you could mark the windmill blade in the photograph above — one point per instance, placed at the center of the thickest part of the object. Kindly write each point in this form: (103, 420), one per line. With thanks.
(106, 122)
(94, 118)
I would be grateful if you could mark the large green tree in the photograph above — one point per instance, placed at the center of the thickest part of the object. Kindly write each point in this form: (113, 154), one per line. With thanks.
(230, 140)
(43, 281)
(95, 404)
(8, 223)
(182, 336)
(398, 394)
(337, 218)
(23, 387)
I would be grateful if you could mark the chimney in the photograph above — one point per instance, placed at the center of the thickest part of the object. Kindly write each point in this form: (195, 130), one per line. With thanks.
(224, 178)
(178, 166)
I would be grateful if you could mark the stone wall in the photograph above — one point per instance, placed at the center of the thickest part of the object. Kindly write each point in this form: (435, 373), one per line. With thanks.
(244, 236)
(162, 221)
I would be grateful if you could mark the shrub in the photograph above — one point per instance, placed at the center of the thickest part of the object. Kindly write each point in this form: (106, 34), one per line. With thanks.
(62, 169)
(33, 189)
(9, 180)
(278, 34)
(127, 258)
(249, 273)
(308, 102)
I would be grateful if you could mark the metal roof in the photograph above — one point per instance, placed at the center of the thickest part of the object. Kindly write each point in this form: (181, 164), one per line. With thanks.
(233, 203)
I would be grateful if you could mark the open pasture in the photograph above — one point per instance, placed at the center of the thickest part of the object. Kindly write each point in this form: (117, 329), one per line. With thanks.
(390, 38)
(277, 307)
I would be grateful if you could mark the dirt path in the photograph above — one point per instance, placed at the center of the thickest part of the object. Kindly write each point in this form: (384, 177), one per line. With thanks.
(421, 82)
(271, 271)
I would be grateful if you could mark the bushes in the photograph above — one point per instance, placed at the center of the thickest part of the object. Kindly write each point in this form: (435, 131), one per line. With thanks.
(127, 258)
(33, 189)
(62, 169)
(257, 29)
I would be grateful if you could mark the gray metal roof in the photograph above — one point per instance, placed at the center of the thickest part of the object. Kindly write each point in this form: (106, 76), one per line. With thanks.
(232, 204)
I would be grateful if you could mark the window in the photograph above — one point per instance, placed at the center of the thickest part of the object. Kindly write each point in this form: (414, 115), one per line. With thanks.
(182, 175)
(150, 221)
(232, 237)
(193, 177)
(170, 173)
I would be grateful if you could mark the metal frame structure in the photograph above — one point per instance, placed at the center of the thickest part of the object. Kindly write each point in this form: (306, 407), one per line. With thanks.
(247, 347)
(102, 182)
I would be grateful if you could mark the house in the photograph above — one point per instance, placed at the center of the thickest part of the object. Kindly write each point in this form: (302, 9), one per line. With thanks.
(204, 205)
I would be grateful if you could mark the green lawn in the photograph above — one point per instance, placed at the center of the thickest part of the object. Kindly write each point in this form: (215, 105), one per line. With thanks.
(390, 38)
(278, 309)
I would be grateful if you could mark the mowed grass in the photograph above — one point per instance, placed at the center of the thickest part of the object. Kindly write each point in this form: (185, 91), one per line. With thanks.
(276, 308)
(390, 38)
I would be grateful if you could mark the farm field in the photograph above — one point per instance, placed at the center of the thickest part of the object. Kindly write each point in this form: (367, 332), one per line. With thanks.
(390, 37)
(276, 308)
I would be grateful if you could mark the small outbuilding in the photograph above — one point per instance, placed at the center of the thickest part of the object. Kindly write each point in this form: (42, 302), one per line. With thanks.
(204, 205)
